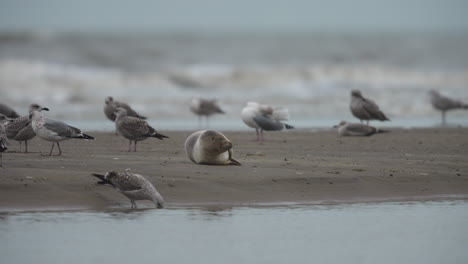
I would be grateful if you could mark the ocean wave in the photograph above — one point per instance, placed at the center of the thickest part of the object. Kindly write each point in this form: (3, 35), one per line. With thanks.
(309, 91)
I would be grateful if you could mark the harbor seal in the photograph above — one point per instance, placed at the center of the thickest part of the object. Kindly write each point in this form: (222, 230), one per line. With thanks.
(210, 147)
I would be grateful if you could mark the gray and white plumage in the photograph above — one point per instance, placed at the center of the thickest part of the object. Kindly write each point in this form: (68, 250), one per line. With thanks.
(356, 129)
(204, 107)
(3, 137)
(134, 129)
(134, 186)
(365, 109)
(53, 130)
(8, 111)
(110, 105)
(264, 117)
(444, 103)
(20, 129)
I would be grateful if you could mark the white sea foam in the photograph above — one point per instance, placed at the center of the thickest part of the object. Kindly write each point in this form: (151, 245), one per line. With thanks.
(157, 75)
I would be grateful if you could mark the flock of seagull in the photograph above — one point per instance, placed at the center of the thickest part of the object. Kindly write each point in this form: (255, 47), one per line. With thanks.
(132, 126)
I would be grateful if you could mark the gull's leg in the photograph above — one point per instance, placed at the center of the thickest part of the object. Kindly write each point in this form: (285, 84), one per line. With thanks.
(26, 146)
(134, 146)
(129, 145)
(258, 138)
(51, 149)
(443, 118)
(60, 150)
(261, 135)
(21, 144)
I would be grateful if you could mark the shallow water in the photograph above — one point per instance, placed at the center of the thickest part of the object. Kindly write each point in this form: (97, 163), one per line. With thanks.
(432, 232)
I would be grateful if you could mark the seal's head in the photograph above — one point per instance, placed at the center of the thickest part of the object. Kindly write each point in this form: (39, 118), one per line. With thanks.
(356, 93)
(215, 142)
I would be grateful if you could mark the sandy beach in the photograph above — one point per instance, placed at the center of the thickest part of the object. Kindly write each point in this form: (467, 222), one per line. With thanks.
(303, 166)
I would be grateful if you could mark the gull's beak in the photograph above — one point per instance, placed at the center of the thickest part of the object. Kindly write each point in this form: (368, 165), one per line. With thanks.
(335, 126)
(45, 109)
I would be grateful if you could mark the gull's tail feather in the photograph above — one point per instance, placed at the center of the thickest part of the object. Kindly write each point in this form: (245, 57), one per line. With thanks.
(103, 179)
(159, 136)
(288, 126)
(84, 136)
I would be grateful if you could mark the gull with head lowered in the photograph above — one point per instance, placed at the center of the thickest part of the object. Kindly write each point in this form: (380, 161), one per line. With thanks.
(356, 129)
(134, 186)
(264, 117)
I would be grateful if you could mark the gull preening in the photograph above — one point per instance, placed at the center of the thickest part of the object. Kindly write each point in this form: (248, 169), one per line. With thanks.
(365, 109)
(8, 111)
(134, 186)
(444, 103)
(3, 137)
(264, 117)
(110, 105)
(356, 129)
(204, 107)
(53, 130)
(134, 129)
(20, 129)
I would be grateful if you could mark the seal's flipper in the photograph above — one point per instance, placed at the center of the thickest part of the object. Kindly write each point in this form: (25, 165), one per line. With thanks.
(231, 160)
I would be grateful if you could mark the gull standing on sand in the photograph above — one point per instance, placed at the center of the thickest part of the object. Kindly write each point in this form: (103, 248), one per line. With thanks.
(8, 111)
(365, 109)
(356, 129)
(3, 137)
(110, 106)
(134, 186)
(20, 129)
(204, 107)
(134, 129)
(55, 131)
(264, 117)
(444, 104)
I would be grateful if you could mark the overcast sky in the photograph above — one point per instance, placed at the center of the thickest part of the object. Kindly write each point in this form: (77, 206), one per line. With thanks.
(235, 15)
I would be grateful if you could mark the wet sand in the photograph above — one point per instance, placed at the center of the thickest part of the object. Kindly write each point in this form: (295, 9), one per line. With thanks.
(303, 166)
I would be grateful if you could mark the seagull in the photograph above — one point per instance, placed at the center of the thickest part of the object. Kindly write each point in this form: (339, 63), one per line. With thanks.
(356, 129)
(204, 107)
(264, 117)
(55, 131)
(20, 129)
(365, 109)
(8, 111)
(444, 104)
(3, 137)
(134, 129)
(110, 106)
(134, 186)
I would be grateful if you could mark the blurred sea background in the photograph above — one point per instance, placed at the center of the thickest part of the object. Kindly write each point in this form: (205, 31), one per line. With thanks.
(303, 55)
